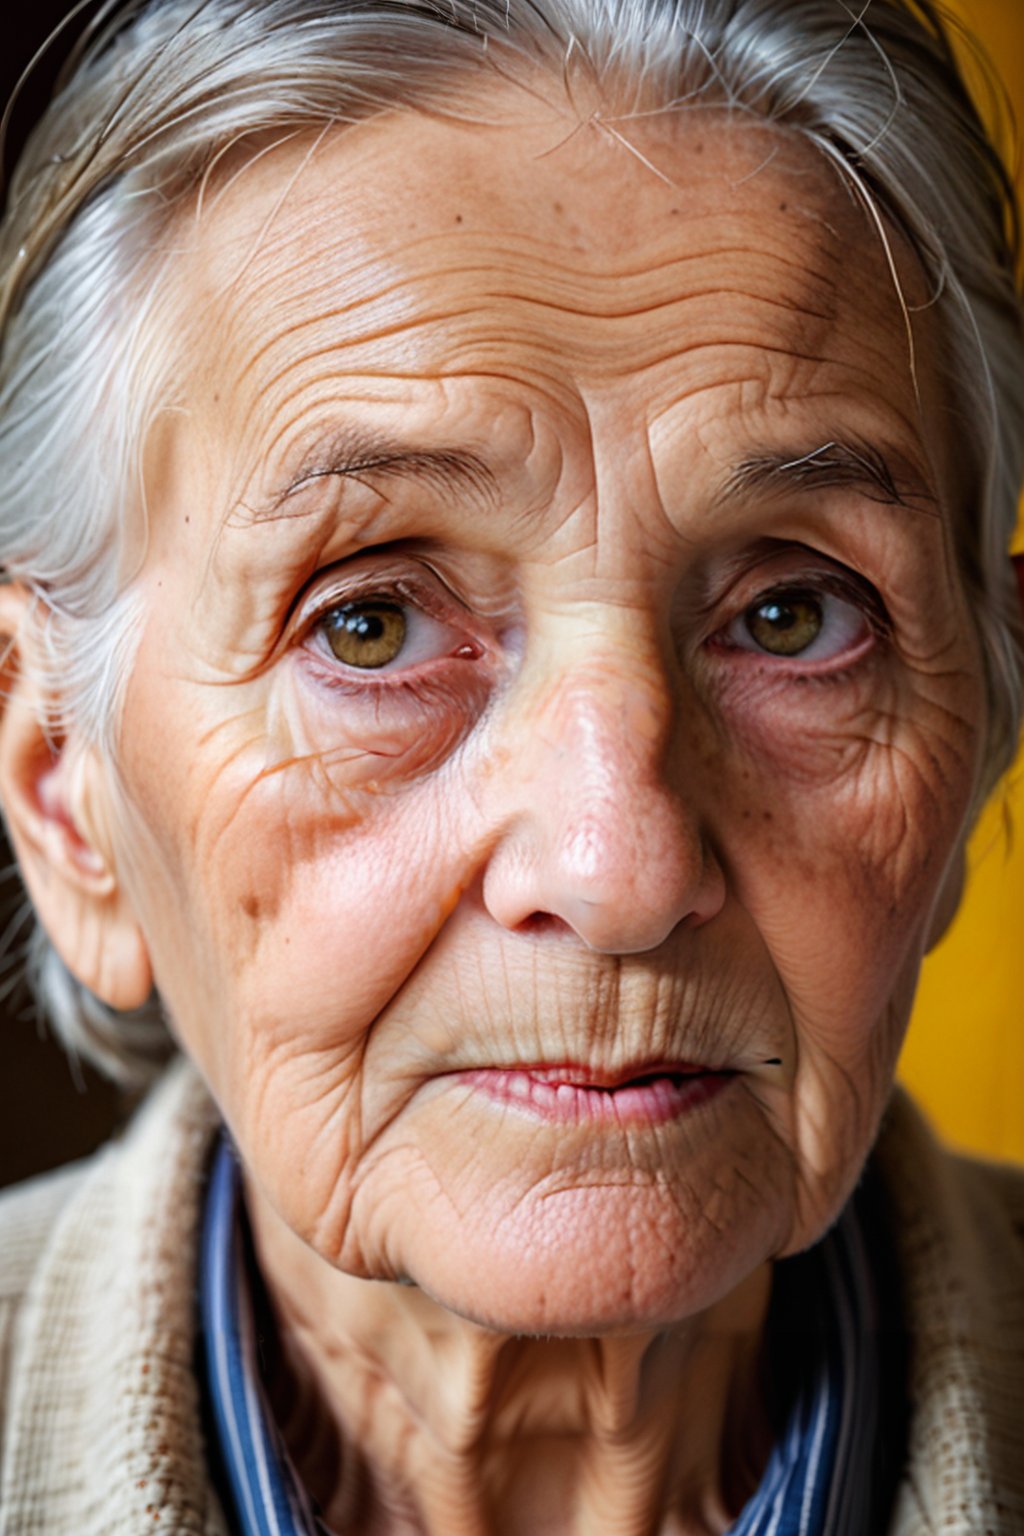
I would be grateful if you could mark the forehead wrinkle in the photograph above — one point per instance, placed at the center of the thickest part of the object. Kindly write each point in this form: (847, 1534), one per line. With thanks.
(547, 357)
(506, 307)
(589, 295)
(427, 291)
(466, 290)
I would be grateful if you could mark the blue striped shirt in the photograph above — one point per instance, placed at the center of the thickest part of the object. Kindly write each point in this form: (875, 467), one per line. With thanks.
(821, 1478)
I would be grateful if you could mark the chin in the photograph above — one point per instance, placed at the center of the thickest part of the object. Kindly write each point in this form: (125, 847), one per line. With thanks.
(587, 1263)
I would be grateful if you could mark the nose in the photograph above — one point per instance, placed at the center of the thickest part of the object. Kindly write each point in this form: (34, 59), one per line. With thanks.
(598, 834)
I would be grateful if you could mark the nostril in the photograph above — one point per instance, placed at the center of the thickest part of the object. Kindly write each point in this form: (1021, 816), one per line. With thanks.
(540, 923)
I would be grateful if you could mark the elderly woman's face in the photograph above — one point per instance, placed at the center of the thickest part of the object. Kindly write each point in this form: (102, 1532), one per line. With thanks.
(557, 709)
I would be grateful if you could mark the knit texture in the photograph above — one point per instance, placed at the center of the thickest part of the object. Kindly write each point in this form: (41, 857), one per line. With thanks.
(100, 1431)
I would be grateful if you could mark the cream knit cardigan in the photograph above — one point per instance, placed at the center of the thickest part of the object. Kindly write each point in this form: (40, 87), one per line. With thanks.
(99, 1420)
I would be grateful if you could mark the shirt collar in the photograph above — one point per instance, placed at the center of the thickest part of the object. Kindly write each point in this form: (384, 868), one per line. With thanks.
(824, 1324)
(256, 1471)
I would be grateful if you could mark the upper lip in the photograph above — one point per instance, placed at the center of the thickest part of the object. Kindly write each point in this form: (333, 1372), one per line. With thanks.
(585, 1075)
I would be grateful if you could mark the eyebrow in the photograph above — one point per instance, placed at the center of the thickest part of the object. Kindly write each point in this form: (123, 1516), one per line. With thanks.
(354, 455)
(842, 463)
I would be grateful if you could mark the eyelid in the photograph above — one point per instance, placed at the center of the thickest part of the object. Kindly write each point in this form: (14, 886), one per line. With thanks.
(332, 589)
(798, 569)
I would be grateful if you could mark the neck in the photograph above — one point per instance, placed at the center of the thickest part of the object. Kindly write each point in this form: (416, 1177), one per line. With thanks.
(403, 1418)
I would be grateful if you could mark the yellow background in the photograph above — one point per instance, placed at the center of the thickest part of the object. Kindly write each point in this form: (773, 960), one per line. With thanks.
(964, 1055)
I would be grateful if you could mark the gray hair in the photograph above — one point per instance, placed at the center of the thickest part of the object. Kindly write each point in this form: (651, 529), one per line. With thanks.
(160, 90)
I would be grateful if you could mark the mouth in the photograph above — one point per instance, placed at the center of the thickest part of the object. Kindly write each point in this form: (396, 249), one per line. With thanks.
(573, 1093)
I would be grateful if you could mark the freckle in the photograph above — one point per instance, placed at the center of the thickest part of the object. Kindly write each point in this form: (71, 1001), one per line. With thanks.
(187, 518)
(767, 816)
(251, 906)
(783, 207)
(458, 218)
(698, 148)
(558, 206)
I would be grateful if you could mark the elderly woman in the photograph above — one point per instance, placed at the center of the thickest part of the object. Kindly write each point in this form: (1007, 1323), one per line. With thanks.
(505, 514)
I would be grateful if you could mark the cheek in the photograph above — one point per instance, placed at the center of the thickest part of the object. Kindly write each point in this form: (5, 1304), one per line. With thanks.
(844, 809)
(297, 891)
(847, 798)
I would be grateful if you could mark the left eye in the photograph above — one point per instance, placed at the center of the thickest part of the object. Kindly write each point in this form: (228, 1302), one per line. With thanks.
(792, 622)
(372, 633)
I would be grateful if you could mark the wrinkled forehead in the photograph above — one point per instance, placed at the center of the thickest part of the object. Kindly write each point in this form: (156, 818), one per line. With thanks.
(566, 262)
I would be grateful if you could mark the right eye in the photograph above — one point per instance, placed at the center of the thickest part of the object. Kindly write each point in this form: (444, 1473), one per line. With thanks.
(367, 634)
(390, 631)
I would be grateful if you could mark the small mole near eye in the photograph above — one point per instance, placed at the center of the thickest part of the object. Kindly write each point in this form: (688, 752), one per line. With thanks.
(458, 218)
(783, 207)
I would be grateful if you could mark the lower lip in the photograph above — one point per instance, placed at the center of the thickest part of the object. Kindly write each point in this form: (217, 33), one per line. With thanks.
(653, 1100)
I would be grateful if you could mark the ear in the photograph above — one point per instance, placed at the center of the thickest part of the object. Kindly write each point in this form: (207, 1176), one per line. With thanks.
(55, 797)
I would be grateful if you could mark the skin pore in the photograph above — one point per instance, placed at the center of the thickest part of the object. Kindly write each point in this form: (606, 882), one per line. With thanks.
(592, 437)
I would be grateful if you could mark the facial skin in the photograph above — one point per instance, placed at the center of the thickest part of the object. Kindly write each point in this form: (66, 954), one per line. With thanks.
(579, 423)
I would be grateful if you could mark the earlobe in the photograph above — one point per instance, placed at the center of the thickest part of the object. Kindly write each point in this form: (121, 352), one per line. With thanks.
(50, 789)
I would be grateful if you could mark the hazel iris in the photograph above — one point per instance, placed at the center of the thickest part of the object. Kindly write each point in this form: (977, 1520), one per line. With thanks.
(366, 634)
(785, 626)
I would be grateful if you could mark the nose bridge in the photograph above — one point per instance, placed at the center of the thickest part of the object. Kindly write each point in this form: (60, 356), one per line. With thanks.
(605, 727)
(599, 830)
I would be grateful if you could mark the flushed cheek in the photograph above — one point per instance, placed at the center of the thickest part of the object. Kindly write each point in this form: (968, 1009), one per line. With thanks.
(322, 910)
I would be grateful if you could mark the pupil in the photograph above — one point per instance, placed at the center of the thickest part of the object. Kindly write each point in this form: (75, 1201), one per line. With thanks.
(367, 626)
